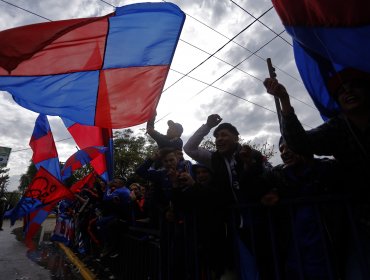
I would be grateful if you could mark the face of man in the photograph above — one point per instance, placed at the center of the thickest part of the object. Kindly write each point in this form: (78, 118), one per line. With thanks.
(226, 142)
(172, 132)
(352, 96)
(170, 161)
(136, 189)
(203, 175)
(288, 156)
(116, 183)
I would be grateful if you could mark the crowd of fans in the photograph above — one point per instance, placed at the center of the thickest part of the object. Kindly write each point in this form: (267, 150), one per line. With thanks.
(231, 215)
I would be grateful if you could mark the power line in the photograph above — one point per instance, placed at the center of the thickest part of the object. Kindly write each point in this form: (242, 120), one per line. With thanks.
(273, 31)
(24, 149)
(225, 91)
(249, 25)
(223, 75)
(264, 59)
(28, 11)
(240, 45)
(245, 72)
(108, 3)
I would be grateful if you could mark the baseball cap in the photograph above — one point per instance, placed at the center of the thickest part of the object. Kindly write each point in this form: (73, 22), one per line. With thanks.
(177, 126)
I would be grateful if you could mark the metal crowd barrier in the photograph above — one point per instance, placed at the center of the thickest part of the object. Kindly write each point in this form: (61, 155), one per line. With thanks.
(280, 242)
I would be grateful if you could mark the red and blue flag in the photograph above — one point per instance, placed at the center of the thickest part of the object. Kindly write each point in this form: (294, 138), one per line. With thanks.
(44, 190)
(88, 181)
(87, 136)
(328, 36)
(44, 155)
(105, 71)
(43, 146)
(80, 159)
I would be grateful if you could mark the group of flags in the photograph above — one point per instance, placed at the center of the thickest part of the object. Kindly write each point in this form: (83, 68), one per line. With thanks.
(96, 74)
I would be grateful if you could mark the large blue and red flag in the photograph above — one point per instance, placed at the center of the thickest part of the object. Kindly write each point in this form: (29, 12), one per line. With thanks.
(80, 159)
(44, 190)
(43, 146)
(87, 136)
(44, 155)
(328, 36)
(105, 71)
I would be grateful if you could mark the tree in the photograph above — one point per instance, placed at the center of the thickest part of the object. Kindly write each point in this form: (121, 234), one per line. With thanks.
(4, 179)
(130, 151)
(266, 149)
(26, 178)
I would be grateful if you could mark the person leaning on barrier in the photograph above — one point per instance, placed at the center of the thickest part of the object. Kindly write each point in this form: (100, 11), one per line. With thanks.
(237, 171)
(306, 177)
(345, 136)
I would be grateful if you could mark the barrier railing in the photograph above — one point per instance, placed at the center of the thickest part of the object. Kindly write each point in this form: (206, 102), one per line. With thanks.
(302, 238)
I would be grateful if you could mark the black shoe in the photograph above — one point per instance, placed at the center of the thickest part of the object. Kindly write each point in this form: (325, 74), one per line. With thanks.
(1, 229)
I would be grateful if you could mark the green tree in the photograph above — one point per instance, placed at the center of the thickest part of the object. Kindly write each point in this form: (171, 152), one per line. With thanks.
(130, 151)
(4, 179)
(266, 149)
(26, 178)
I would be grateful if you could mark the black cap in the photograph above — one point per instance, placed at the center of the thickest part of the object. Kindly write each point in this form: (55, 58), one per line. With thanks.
(177, 126)
(227, 126)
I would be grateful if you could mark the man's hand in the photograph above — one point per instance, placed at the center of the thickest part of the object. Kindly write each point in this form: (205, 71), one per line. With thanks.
(270, 199)
(274, 88)
(213, 120)
(149, 129)
(185, 179)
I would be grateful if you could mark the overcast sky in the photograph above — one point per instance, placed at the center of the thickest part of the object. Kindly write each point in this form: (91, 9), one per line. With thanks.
(217, 86)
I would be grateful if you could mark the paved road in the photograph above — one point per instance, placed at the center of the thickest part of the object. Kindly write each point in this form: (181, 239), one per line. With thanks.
(14, 264)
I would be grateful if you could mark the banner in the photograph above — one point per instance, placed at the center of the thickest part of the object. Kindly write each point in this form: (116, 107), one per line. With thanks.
(4, 156)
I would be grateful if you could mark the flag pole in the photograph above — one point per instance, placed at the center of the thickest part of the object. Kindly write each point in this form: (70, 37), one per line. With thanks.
(277, 101)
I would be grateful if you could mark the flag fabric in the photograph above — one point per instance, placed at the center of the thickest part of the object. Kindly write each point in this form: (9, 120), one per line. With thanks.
(80, 159)
(328, 36)
(43, 146)
(44, 155)
(88, 181)
(105, 71)
(44, 189)
(87, 136)
(34, 222)
(64, 230)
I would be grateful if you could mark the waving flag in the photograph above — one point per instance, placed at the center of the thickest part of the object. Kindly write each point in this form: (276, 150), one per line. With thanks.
(80, 159)
(328, 36)
(36, 218)
(44, 155)
(43, 146)
(106, 71)
(88, 181)
(44, 189)
(87, 136)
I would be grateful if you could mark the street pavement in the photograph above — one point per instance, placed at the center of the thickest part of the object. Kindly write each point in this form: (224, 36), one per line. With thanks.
(14, 263)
